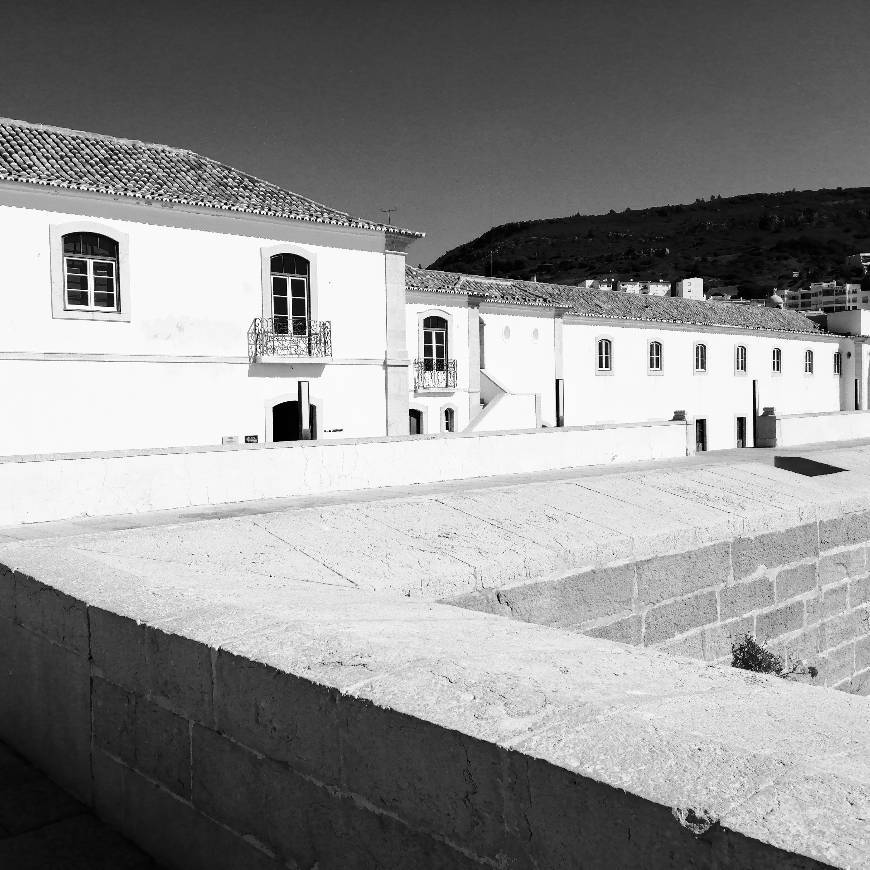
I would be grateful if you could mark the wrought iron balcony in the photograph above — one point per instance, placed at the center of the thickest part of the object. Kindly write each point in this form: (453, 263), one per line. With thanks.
(289, 337)
(435, 374)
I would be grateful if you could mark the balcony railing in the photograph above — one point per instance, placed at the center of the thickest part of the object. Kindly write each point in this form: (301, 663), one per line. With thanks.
(289, 337)
(435, 374)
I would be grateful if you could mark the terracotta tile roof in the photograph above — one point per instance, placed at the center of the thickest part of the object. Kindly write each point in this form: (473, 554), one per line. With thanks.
(583, 302)
(76, 160)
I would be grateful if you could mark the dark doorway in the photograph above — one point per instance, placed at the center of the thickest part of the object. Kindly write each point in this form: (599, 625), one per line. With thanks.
(286, 425)
(741, 431)
(415, 422)
(700, 435)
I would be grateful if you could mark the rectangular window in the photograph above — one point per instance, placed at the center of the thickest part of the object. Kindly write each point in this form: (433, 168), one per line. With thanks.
(777, 361)
(655, 356)
(700, 357)
(837, 362)
(604, 355)
(740, 359)
(90, 284)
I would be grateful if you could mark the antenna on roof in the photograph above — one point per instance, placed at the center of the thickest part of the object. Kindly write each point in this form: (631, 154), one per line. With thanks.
(389, 213)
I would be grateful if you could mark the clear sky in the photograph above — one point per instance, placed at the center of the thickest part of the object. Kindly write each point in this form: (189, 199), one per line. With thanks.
(465, 114)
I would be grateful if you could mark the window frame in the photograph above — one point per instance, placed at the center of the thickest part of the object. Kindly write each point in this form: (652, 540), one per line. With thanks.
(60, 309)
(738, 368)
(444, 411)
(605, 342)
(838, 363)
(292, 282)
(809, 362)
(776, 361)
(699, 370)
(266, 254)
(650, 368)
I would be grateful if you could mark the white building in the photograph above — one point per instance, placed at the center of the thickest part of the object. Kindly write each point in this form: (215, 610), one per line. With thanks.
(644, 288)
(615, 357)
(156, 297)
(828, 296)
(689, 288)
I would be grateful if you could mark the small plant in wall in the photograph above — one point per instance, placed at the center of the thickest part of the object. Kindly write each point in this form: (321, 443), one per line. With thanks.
(750, 655)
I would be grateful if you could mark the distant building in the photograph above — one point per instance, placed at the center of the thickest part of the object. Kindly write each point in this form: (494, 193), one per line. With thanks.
(644, 288)
(828, 296)
(689, 288)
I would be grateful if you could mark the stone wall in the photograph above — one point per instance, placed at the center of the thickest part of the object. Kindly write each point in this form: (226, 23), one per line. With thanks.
(805, 591)
(382, 741)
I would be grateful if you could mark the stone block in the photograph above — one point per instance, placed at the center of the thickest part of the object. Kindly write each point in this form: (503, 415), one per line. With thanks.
(667, 620)
(51, 613)
(833, 533)
(152, 663)
(625, 630)
(860, 683)
(168, 827)
(144, 736)
(857, 527)
(781, 620)
(838, 664)
(667, 577)
(814, 609)
(278, 714)
(862, 653)
(835, 599)
(453, 787)
(690, 646)
(795, 581)
(738, 599)
(719, 638)
(45, 706)
(774, 549)
(859, 591)
(839, 629)
(569, 601)
(836, 567)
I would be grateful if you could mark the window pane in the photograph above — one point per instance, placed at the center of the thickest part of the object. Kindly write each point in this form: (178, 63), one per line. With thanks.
(281, 325)
(104, 267)
(279, 286)
(104, 285)
(76, 267)
(78, 283)
(279, 305)
(104, 300)
(300, 326)
(299, 307)
(76, 297)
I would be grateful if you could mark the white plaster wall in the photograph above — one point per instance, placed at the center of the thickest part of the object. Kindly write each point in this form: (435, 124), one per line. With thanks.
(191, 291)
(798, 429)
(521, 362)
(630, 392)
(44, 489)
(79, 405)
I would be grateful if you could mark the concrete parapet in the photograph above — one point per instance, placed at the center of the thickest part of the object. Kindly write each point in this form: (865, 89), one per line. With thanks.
(240, 724)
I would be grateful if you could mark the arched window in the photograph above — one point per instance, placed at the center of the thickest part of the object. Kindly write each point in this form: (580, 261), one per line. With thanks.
(655, 356)
(291, 301)
(434, 344)
(90, 272)
(700, 357)
(776, 364)
(808, 362)
(740, 358)
(449, 421)
(605, 355)
(838, 365)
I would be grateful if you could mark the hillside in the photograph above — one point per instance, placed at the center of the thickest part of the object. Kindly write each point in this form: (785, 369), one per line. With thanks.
(756, 241)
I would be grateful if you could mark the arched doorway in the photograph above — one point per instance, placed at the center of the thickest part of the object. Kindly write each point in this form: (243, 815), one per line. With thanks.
(415, 421)
(287, 423)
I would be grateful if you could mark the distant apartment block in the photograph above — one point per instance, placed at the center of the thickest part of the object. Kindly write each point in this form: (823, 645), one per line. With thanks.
(689, 288)
(645, 288)
(828, 296)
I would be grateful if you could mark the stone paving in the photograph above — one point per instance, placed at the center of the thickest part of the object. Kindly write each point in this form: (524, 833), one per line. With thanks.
(43, 828)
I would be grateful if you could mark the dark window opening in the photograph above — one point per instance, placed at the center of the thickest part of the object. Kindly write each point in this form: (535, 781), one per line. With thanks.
(741, 431)
(287, 422)
(415, 422)
(700, 435)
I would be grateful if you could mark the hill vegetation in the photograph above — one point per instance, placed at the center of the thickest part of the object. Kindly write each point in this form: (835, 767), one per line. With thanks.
(756, 241)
